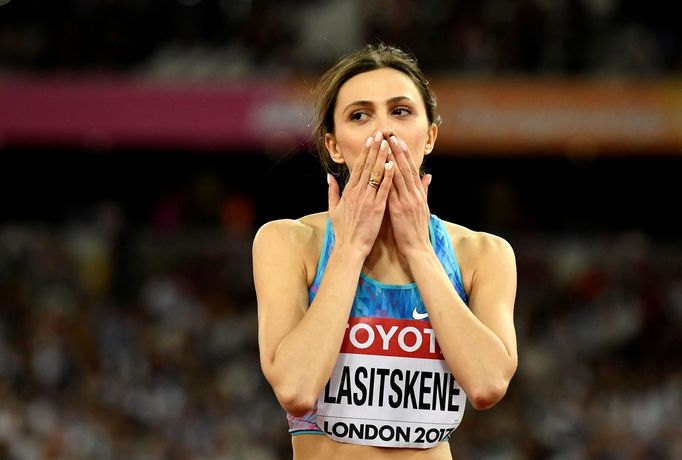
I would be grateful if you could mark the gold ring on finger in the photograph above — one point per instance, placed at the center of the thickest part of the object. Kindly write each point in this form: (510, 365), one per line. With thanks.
(373, 182)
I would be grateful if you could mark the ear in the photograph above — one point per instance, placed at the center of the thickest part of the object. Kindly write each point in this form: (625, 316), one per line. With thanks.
(431, 136)
(333, 148)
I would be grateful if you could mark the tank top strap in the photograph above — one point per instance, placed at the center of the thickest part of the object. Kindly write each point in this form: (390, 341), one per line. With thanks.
(445, 251)
(327, 246)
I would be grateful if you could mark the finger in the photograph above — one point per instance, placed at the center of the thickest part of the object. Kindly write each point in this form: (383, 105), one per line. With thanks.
(400, 154)
(377, 172)
(410, 159)
(375, 147)
(359, 164)
(398, 176)
(333, 193)
(385, 187)
(426, 181)
(393, 198)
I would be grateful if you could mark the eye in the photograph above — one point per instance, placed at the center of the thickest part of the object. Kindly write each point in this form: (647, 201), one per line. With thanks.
(402, 111)
(358, 116)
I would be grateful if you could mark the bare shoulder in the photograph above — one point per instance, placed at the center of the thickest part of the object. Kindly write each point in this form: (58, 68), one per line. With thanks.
(291, 232)
(474, 249)
(471, 242)
(296, 238)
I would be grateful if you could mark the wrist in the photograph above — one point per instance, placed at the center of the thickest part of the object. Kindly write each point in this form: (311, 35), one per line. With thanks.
(419, 254)
(349, 254)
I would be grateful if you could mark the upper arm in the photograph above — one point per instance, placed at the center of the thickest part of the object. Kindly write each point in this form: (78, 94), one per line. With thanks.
(281, 284)
(493, 288)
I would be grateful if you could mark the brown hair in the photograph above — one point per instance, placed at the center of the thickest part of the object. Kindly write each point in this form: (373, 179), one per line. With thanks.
(371, 57)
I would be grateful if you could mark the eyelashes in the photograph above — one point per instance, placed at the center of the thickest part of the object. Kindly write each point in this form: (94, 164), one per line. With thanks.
(363, 115)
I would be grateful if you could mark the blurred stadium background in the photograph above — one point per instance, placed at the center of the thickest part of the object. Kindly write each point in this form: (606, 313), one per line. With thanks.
(143, 142)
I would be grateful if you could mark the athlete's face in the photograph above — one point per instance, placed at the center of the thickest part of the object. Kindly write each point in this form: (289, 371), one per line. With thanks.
(385, 100)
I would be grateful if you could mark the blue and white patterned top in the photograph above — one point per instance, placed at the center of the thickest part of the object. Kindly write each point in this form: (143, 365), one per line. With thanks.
(376, 299)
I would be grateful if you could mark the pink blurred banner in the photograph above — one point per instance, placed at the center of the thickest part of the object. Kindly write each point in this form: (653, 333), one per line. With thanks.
(488, 116)
(127, 113)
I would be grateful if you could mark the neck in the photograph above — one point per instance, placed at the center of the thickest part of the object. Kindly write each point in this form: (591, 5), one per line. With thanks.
(385, 249)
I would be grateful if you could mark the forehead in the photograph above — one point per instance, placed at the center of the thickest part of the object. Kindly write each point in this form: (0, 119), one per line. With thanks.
(376, 86)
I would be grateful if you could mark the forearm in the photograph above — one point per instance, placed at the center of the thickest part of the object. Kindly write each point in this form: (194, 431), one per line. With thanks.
(477, 357)
(305, 358)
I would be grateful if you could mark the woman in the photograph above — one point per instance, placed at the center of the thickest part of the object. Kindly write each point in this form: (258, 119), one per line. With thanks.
(351, 301)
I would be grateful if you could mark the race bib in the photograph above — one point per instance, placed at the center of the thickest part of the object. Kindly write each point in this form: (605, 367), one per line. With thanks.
(390, 387)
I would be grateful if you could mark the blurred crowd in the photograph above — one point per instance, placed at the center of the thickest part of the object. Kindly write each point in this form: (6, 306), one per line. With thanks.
(237, 38)
(121, 343)
(128, 341)
(600, 374)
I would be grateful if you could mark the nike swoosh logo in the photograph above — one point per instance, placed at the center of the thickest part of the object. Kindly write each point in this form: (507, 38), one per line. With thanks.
(417, 315)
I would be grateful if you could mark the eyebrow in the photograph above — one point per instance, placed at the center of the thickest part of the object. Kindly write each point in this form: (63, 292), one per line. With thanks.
(363, 103)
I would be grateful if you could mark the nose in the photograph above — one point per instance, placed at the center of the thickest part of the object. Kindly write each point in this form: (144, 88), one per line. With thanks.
(384, 125)
(387, 133)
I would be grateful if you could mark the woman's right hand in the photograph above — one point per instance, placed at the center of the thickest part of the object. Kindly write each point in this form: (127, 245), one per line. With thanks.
(357, 214)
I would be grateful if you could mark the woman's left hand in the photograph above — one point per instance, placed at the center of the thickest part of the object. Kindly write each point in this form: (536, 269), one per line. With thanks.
(407, 202)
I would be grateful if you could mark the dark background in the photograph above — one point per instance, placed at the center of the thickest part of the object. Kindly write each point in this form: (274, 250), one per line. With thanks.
(552, 193)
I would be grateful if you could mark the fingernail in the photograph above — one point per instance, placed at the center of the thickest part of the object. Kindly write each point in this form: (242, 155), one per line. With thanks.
(388, 166)
(394, 140)
(329, 181)
(369, 141)
(384, 144)
(429, 179)
(378, 136)
(403, 145)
